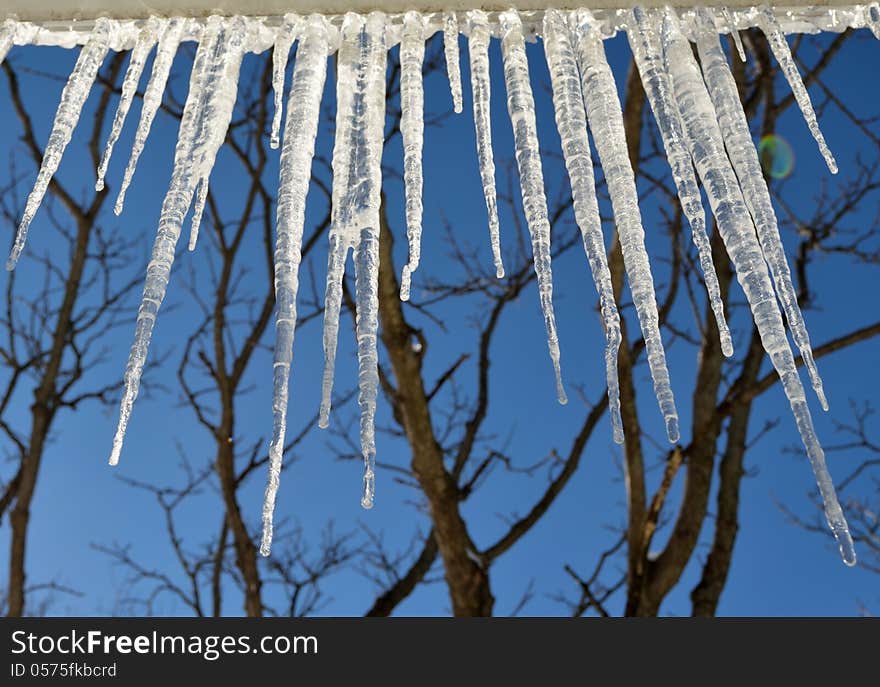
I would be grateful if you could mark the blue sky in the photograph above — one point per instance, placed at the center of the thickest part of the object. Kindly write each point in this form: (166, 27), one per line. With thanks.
(778, 569)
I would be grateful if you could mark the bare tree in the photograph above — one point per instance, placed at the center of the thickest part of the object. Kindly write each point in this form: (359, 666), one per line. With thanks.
(53, 336)
(444, 413)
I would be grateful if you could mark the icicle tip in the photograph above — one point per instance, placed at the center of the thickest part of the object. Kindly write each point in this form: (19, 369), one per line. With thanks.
(672, 432)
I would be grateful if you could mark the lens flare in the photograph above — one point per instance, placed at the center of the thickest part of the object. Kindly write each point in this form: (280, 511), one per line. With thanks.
(777, 157)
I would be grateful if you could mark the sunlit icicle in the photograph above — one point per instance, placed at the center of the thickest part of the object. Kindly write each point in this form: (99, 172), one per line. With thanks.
(300, 130)
(872, 19)
(734, 33)
(284, 38)
(73, 97)
(165, 52)
(568, 101)
(478, 49)
(741, 150)
(143, 45)
(646, 49)
(220, 91)
(605, 118)
(738, 233)
(412, 129)
(776, 38)
(7, 37)
(356, 196)
(521, 108)
(450, 48)
(223, 41)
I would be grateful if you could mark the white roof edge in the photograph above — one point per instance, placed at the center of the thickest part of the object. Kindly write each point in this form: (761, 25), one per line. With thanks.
(39, 11)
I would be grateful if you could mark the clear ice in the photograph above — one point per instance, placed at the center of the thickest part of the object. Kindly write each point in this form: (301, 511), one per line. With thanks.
(357, 181)
(145, 41)
(741, 150)
(696, 107)
(605, 118)
(478, 48)
(300, 130)
(571, 121)
(73, 97)
(521, 108)
(412, 129)
(738, 233)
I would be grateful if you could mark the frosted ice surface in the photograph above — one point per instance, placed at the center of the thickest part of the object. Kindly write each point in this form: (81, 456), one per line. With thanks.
(165, 52)
(606, 122)
(215, 71)
(73, 97)
(478, 48)
(145, 41)
(737, 230)
(571, 121)
(453, 66)
(645, 46)
(782, 52)
(741, 150)
(300, 130)
(412, 129)
(357, 180)
(521, 108)
(284, 38)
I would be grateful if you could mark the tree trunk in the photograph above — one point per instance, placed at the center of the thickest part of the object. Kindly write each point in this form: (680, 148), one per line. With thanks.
(466, 578)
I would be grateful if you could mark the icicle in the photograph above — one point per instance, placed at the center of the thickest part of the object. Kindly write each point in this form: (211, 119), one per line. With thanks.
(872, 20)
(741, 150)
(571, 122)
(357, 181)
(658, 89)
(300, 130)
(734, 33)
(7, 36)
(450, 48)
(218, 100)
(73, 97)
(145, 41)
(779, 46)
(478, 49)
(284, 38)
(412, 128)
(165, 53)
(606, 122)
(215, 71)
(737, 231)
(521, 108)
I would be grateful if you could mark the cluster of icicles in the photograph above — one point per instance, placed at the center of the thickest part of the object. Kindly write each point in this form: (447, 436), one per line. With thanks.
(696, 106)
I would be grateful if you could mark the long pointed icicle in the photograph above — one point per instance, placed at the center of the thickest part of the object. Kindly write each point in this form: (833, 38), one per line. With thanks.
(357, 181)
(73, 97)
(145, 41)
(165, 52)
(658, 89)
(521, 108)
(300, 130)
(221, 87)
(412, 129)
(605, 118)
(741, 150)
(776, 38)
(568, 101)
(737, 231)
(478, 49)
(284, 39)
(223, 40)
(453, 67)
